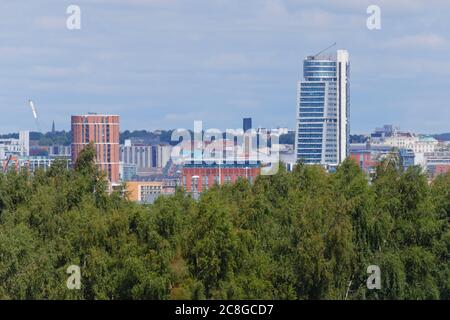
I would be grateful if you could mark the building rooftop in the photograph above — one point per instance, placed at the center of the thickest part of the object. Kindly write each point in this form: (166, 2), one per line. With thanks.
(425, 138)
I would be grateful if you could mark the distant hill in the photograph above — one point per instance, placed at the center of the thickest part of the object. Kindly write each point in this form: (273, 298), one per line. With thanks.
(64, 138)
(442, 136)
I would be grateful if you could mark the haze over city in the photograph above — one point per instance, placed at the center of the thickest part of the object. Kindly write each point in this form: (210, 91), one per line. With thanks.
(163, 64)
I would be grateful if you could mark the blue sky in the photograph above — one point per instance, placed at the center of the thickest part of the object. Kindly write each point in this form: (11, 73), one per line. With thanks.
(164, 63)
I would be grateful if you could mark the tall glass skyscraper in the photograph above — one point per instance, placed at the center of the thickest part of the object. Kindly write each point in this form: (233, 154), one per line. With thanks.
(323, 110)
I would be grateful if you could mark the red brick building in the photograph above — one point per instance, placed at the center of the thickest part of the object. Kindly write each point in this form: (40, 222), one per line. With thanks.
(103, 131)
(439, 169)
(365, 160)
(200, 177)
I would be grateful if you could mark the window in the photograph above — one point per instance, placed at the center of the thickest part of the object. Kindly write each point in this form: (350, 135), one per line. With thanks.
(312, 99)
(311, 114)
(311, 120)
(205, 182)
(311, 104)
(310, 135)
(194, 184)
(319, 74)
(307, 68)
(319, 63)
(320, 93)
(311, 109)
(310, 140)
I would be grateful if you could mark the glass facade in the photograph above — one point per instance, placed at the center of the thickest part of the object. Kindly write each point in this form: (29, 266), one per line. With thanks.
(247, 124)
(320, 118)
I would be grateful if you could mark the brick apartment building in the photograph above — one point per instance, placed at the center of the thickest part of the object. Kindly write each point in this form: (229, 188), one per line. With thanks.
(103, 131)
(200, 177)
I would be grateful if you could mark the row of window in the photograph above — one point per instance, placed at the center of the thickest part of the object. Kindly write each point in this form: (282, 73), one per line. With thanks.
(312, 84)
(310, 115)
(306, 90)
(313, 93)
(311, 105)
(319, 74)
(310, 140)
(318, 130)
(309, 68)
(313, 99)
(311, 120)
(312, 125)
(302, 109)
(319, 63)
(310, 135)
(322, 79)
(310, 156)
(309, 146)
(309, 151)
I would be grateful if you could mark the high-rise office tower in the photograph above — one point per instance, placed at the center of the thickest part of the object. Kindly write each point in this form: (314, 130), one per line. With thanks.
(247, 124)
(103, 132)
(323, 110)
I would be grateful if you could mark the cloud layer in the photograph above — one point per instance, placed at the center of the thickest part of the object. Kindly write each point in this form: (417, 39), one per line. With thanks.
(166, 63)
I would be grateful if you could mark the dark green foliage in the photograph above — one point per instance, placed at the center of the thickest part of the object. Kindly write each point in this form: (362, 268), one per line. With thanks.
(301, 235)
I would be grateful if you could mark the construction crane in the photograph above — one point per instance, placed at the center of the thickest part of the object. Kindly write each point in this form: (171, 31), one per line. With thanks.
(327, 48)
(35, 116)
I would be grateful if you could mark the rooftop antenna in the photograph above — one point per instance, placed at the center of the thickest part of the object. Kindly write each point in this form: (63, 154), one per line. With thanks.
(324, 50)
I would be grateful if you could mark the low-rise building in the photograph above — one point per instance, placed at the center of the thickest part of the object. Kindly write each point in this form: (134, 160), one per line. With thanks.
(31, 163)
(143, 191)
(437, 163)
(200, 177)
(15, 147)
(416, 143)
(369, 156)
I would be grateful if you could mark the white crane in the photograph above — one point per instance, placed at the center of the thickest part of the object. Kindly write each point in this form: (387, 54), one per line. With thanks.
(35, 116)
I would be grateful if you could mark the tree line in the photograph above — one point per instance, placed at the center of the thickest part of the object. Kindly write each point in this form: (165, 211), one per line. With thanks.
(306, 234)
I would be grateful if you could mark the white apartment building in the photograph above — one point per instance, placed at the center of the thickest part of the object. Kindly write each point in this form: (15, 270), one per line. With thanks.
(17, 147)
(417, 143)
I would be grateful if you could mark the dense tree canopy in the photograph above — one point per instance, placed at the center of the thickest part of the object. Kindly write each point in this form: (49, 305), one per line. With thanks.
(307, 234)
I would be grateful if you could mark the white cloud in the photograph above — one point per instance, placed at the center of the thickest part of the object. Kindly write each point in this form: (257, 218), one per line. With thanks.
(227, 60)
(425, 41)
(53, 71)
(51, 23)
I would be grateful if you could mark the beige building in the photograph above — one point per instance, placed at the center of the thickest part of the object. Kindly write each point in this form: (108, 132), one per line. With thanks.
(417, 143)
(143, 191)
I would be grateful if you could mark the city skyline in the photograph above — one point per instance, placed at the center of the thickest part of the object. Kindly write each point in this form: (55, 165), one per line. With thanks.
(164, 64)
